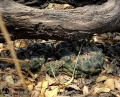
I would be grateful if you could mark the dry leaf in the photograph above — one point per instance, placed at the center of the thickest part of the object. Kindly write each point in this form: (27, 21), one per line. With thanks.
(99, 90)
(27, 82)
(53, 87)
(1, 47)
(30, 79)
(59, 6)
(37, 90)
(20, 43)
(109, 68)
(49, 79)
(30, 86)
(62, 96)
(44, 87)
(38, 86)
(85, 90)
(96, 39)
(35, 76)
(55, 91)
(117, 38)
(109, 83)
(101, 78)
(35, 93)
(117, 84)
(100, 85)
(74, 86)
(9, 79)
(116, 95)
(67, 83)
(52, 93)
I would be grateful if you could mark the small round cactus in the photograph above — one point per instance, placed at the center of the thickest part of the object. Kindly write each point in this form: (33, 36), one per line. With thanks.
(34, 64)
(52, 68)
(69, 63)
(91, 63)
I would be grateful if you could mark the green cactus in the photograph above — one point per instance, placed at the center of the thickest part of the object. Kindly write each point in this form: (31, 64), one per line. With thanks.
(91, 63)
(69, 62)
(52, 68)
(87, 64)
(34, 64)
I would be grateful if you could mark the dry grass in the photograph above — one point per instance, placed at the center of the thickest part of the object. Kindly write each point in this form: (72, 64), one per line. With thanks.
(14, 56)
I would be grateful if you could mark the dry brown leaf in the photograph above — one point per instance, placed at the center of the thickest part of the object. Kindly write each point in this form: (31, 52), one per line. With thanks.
(53, 87)
(30, 79)
(109, 83)
(63, 78)
(101, 78)
(20, 43)
(117, 38)
(35, 93)
(100, 85)
(116, 95)
(49, 79)
(1, 47)
(37, 90)
(62, 96)
(9, 79)
(98, 40)
(74, 86)
(44, 87)
(52, 93)
(30, 86)
(67, 83)
(117, 84)
(59, 6)
(38, 86)
(109, 68)
(99, 90)
(27, 82)
(35, 76)
(85, 90)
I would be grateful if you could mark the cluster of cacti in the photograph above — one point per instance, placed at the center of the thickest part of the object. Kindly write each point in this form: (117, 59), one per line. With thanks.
(88, 63)
(90, 60)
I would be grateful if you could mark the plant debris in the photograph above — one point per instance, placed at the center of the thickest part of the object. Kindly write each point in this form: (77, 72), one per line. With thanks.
(82, 68)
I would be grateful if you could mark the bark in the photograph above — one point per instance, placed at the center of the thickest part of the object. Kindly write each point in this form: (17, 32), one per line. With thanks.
(72, 24)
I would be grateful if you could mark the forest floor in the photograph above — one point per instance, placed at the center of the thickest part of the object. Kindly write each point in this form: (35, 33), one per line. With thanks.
(42, 64)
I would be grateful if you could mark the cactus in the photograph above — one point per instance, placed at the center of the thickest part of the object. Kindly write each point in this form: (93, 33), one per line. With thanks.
(91, 63)
(69, 61)
(52, 68)
(87, 64)
(34, 64)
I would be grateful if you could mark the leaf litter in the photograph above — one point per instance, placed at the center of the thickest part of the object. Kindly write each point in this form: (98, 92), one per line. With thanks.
(40, 84)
